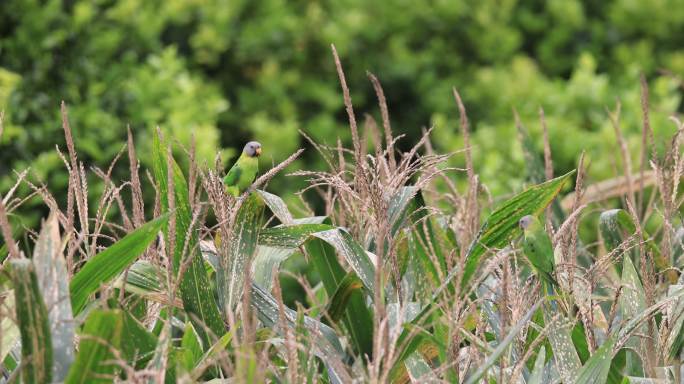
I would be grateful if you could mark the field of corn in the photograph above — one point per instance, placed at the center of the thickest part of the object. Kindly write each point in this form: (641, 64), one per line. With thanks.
(421, 278)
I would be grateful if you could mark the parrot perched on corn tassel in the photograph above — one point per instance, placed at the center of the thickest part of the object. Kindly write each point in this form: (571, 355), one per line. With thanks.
(242, 174)
(539, 251)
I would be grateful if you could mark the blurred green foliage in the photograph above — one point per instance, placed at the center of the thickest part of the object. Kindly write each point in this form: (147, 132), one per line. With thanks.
(229, 71)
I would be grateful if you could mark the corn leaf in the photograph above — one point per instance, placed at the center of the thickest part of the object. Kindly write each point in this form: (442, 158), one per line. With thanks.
(32, 317)
(502, 224)
(53, 281)
(243, 242)
(338, 303)
(101, 335)
(195, 290)
(109, 263)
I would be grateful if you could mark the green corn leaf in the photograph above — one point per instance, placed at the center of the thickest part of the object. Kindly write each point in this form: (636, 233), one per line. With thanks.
(143, 279)
(32, 316)
(241, 250)
(338, 303)
(8, 328)
(596, 369)
(195, 290)
(322, 243)
(357, 319)
(191, 349)
(138, 344)
(102, 333)
(352, 252)
(615, 226)
(109, 263)
(423, 243)
(213, 351)
(266, 260)
(53, 281)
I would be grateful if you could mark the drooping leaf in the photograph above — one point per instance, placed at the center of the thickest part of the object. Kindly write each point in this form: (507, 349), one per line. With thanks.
(53, 281)
(109, 263)
(32, 316)
(277, 206)
(195, 290)
(357, 318)
(290, 236)
(353, 253)
(266, 260)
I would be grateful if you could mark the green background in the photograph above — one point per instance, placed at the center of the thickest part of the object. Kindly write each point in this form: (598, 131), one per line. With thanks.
(233, 71)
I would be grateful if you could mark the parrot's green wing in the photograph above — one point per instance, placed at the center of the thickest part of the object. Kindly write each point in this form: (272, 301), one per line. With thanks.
(538, 249)
(233, 175)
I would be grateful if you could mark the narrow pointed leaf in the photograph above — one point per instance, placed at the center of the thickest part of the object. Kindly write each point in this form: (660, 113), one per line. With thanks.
(358, 319)
(32, 316)
(191, 349)
(241, 250)
(52, 279)
(101, 335)
(108, 264)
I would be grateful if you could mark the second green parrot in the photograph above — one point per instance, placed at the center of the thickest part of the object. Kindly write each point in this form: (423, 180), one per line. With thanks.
(538, 250)
(242, 174)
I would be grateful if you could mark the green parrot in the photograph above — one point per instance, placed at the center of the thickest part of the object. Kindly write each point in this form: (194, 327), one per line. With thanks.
(242, 174)
(538, 250)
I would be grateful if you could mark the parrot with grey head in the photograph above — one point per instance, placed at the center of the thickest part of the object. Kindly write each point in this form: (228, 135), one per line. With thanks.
(242, 174)
(538, 250)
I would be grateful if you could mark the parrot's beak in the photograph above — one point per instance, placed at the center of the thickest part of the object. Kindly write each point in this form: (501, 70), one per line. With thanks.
(258, 151)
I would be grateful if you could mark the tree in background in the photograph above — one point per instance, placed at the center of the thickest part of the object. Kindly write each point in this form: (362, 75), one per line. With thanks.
(230, 71)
